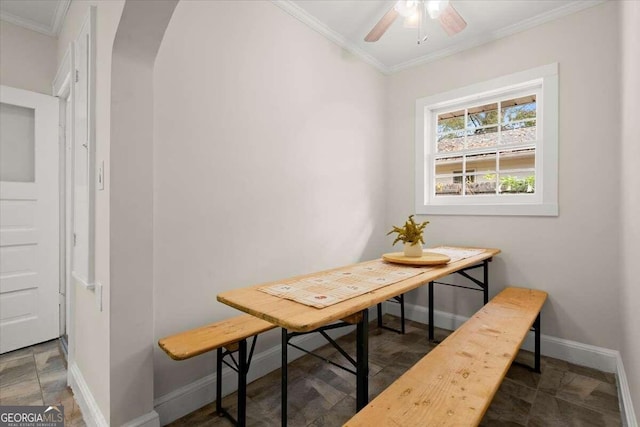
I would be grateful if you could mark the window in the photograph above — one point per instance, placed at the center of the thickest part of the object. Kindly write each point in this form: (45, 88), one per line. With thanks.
(457, 176)
(490, 148)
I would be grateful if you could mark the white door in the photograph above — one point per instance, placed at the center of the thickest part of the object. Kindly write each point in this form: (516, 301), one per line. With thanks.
(29, 213)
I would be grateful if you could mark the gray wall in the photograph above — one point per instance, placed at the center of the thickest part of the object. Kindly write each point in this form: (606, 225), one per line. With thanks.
(268, 162)
(574, 257)
(27, 58)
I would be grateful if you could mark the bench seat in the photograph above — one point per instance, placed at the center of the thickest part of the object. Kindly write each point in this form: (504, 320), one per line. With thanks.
(230, 335)
(225, 333)
(455, 382)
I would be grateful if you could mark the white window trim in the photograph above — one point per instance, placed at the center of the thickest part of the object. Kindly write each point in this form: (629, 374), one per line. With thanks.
(545, 201)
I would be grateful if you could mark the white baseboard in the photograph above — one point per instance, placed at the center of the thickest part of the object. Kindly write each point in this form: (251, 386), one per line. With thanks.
(195, 395)
(577, 353)
(150, 419)
(624, 396)
(602, 359)
(91, 413)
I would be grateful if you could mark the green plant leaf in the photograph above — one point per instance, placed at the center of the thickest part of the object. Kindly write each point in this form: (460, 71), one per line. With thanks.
(411, 232)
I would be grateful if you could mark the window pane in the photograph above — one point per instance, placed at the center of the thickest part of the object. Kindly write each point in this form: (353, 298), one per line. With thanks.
(481, 174)
(451, 131)
(451, 142)
(449, 165)
(518, 109)
(485, 137)
(481, 116)
(482, 126)
(519, 133)
(516, 172)
(481, 164)
(17, 143)
(519, 120)
(517, 182)
(445, 186)
(517, 159)
(451, 121)
(480, 185)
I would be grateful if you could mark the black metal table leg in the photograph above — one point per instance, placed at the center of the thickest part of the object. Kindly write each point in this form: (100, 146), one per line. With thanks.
(485, 289)
(402, 313)
(219, 383)
(400, 300)
(431, 329)
(536, 331)
(283, 403)
(362, 358)
(242, 384)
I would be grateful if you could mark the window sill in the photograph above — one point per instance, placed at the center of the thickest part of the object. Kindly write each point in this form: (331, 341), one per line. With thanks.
(495, 210)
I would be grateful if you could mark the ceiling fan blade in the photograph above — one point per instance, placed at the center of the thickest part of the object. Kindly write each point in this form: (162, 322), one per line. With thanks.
(451, 20)
(383, 24)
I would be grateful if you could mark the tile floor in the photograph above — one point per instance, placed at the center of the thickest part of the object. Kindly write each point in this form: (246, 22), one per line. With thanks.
(38, 376)
(323, 395)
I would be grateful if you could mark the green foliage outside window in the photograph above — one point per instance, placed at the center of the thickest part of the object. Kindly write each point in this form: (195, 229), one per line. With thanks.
(513, 184)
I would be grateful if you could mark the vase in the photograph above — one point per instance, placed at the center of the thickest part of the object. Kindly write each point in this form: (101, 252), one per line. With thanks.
(413, 251)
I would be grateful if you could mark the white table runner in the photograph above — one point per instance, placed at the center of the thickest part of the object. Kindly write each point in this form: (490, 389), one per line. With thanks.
(328, 288)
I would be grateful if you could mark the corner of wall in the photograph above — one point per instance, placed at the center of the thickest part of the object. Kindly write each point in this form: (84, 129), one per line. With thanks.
(91, 412)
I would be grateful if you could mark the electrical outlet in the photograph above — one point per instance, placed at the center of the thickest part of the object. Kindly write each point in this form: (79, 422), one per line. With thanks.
(98, 291)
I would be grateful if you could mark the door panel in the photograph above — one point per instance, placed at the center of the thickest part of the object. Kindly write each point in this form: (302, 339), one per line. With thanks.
(18, 223)
(17, 214)
(29, 201)
(19, 305)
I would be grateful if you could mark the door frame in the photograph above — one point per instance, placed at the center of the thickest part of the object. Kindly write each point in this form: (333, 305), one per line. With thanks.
(63, 88)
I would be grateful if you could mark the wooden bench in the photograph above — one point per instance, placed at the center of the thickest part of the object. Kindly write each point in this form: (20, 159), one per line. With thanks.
(454, 384)
(227, 337)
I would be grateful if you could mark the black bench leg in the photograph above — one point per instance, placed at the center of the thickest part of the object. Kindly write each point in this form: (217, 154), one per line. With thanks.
(536, 332)
(362, 360)
(242, 384)
(485, 289)
(283, 403)
(399, 300)
(219, 383)
(402, 313)
(431, 332)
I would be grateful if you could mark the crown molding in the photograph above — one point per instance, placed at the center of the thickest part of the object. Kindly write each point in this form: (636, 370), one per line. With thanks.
(542, 18)
(529, 23)
(51, 30)
(60, 15)
(26, 23)
(311, 21)
(303, 16)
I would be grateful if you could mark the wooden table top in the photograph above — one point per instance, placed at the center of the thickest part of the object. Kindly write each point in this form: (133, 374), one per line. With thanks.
(302, 318)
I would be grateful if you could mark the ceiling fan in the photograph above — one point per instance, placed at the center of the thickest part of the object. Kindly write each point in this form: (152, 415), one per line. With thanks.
(414, 12)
